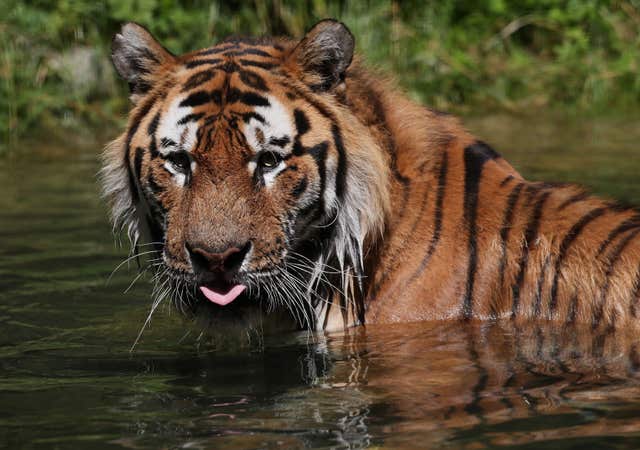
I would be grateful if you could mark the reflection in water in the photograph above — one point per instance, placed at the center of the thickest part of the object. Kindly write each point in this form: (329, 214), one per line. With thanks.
(68, 381)
(510, 385)
(414, 386)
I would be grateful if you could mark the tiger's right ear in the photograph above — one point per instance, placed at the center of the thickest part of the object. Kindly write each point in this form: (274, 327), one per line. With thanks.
(324, 54)
(137, 56)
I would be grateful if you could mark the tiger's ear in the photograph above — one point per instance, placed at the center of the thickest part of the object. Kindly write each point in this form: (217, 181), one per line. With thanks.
(324, 54)
(137, 56)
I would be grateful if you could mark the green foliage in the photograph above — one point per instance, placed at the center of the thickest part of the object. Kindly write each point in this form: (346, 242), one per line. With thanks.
(459, 55)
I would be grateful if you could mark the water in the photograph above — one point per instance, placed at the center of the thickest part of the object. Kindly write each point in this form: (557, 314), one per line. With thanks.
(67, 379)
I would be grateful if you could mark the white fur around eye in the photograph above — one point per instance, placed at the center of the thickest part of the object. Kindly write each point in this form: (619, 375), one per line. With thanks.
(270, 176)
(184, 135)
(278, 124)
(179, 177)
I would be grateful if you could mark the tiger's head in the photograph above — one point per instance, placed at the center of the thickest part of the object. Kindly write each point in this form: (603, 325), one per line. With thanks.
(245, 172)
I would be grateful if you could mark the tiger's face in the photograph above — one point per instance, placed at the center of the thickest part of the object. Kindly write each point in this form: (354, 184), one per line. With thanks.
(233, 165)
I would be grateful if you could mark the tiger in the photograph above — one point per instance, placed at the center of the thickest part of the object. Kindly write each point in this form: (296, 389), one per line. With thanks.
(280, 178)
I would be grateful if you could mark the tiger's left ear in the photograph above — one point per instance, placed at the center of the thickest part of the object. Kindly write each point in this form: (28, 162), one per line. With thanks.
(137, 57)
(324, 54)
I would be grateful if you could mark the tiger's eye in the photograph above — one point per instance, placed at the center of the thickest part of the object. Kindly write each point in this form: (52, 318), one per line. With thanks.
(269, 160)
(180, 160)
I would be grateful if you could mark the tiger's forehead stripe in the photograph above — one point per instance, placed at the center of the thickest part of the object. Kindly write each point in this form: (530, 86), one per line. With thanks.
(234, 54)
(241, 49)
(249, 77)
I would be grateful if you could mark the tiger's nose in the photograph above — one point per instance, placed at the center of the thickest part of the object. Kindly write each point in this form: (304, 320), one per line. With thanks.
(225, 262)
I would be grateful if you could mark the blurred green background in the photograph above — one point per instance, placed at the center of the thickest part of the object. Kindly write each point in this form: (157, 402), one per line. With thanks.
(463, 56)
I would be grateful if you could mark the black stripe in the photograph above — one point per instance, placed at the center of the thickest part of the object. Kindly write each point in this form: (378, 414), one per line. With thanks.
(166, 142)
(573, 199)
(437, 228)
(531, 235)
(153, 148)
(151, 131)
(153, 125)
(217, 49)
(139, 66)
(139, 115)
(253, 80)
(507, 223)
(506, 181)
(279, 142)
(302, 122)
(482, 151)
(309, 99)
(148, 54)
(248, 51)
(190, 118)
(530, 192)
(252, 99)
(196, 99)
(319, 154)
(228, 67)
(198, 79)
(423, 207)
(216, 96)
(537, 303)
(628, 224)
(341, 171)
(137, 162)
(318, 151)
(252, 115)
(202, 62)
(260, 64)
(613, 258)
(234, 95)
(569, 238)
(475, 157)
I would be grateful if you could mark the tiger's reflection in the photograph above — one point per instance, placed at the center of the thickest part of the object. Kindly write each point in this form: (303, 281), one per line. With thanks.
(509, 383)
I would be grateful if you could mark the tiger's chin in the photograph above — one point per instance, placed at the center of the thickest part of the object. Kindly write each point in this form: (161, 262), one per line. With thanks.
(242, 323)
(229, 313)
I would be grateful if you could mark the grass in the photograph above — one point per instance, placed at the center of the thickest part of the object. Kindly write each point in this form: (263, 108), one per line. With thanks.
(456, 55)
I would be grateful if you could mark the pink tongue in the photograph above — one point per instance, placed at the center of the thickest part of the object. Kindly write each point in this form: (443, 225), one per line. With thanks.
(220, 298)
